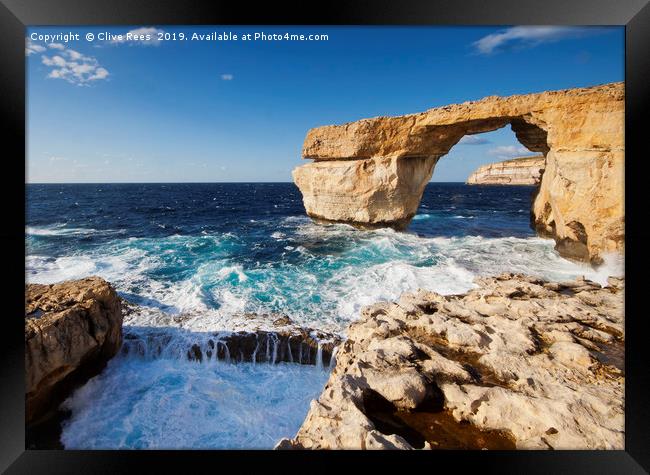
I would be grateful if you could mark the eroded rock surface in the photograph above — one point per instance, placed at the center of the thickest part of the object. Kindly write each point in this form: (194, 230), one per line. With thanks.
(517, 362)
(373, 172)
(518, 171)
(71, 330)
(384, 191)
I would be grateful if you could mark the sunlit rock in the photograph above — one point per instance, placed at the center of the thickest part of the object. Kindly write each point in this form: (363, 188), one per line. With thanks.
(542, 369)
(71, 330)
(518, 171)
(373, 172)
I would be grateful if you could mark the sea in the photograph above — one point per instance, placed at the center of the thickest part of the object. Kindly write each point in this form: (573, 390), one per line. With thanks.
(195, 258)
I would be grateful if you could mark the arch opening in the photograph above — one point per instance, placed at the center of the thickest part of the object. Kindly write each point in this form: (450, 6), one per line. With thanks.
(448, 207)
(488, 143)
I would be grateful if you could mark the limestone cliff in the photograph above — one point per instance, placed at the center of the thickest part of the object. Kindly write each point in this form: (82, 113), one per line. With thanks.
(518, 362)
(517, 171)
(373, 171)
(71, 330)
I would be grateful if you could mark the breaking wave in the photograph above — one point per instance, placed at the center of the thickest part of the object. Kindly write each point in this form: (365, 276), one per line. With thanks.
(201, 258)
(321, 279)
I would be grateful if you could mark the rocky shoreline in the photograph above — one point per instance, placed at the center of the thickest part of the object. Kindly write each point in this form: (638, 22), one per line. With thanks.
(516, 363)
(72, 329)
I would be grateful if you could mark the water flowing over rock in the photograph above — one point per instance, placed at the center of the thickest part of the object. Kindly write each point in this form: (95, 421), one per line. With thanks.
(518, 171)
(287, 343)
(518, 362)
(299, 345)
(373, 172)
(71, 330)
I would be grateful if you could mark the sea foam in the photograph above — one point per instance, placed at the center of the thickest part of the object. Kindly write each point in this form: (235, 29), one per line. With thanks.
(179, 404)
(193, 267)
(322, 286)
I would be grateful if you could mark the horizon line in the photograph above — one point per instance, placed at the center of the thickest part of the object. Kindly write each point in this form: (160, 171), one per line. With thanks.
(179, 182)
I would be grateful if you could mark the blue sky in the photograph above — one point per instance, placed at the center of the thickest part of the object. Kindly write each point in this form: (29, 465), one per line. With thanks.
(125, 110)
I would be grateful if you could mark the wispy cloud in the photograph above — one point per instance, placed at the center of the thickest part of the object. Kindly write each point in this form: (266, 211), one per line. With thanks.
(56, 46)
(144, 36)
(227, 77)
(74, 67)
(31, 48)
(473, 140)
(529, 36)
(504, 152)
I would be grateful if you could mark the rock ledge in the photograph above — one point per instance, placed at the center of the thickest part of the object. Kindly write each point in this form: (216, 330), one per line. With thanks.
(518, 363)
(71, 330)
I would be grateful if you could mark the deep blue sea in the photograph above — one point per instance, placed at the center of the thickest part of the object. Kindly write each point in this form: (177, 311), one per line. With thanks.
(211, 252)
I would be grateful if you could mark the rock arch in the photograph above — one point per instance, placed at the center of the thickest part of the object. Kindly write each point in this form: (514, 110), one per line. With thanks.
(372, 172)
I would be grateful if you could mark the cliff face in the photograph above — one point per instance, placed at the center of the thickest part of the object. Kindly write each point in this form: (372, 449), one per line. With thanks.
(373, 171)
(516, 363)
(368, 193)
(71, 330)
(518, 171)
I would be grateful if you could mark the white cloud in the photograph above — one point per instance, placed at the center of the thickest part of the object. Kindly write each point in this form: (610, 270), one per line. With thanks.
(145, 36)
(100, 73)
(74, 67)
(68, 64)
(504, 152)
(227, 77)
(31, 48)
(473, 140)
(529, 36)
(54, 61)
(74, 55)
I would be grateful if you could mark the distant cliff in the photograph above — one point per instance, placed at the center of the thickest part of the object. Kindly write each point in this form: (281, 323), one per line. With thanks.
(518, 171)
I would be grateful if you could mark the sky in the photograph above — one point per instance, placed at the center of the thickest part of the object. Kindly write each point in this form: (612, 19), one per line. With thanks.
(130, 108)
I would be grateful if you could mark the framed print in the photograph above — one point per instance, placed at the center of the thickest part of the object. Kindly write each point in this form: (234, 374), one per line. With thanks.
(380, 231)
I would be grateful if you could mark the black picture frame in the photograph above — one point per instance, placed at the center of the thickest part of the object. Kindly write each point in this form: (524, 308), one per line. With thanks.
(15, 15)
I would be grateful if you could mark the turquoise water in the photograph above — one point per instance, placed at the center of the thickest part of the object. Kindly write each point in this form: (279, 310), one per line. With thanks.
(179, 404)
(211, 252)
